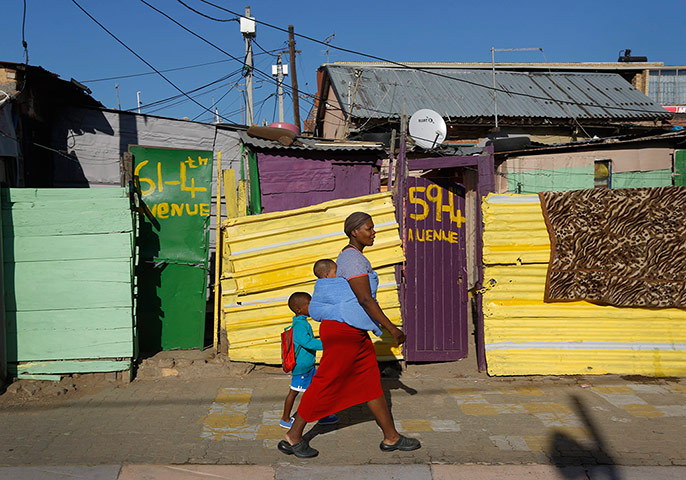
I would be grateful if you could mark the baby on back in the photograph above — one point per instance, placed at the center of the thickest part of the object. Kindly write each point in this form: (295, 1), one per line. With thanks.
(333, 299)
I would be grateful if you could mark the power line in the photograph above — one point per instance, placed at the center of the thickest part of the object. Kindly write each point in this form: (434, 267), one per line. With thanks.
(267, 76)
(430, 72)
(175, 97)
(220, 99)
(142, 59)
(133, 75)
(235, 19)
(23, 36)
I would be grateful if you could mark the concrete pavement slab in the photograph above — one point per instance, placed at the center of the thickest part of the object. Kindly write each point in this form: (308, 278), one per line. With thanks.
(100, 472)
(551, 472)
(360, 472)
(506, 472)
(568, 421)
(196, 472)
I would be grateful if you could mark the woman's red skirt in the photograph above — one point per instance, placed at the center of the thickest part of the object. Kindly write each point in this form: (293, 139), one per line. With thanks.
(348, 373)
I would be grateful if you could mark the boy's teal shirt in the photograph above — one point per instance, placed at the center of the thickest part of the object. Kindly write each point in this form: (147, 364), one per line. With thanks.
(303, 337)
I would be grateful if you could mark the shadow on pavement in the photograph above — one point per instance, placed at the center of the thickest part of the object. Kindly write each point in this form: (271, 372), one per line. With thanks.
(390, 380)
(566, 452)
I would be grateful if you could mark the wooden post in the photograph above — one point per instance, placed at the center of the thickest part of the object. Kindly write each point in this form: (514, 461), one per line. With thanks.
(126, 169)
(230, 196)
(242, 198)
(217, 253)
(294, 77)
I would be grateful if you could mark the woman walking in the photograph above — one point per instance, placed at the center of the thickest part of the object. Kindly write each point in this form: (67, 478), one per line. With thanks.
(348, 373)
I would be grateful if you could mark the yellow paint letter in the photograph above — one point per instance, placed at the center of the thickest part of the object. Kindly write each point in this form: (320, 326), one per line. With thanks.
(150, 189)
(204, 209)
(176, 209)
(418, 201)
(195, 209)
(162, 210)
(436, 197)
(192, 188)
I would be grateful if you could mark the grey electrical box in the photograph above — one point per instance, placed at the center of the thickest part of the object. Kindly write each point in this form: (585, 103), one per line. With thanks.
(248, 26)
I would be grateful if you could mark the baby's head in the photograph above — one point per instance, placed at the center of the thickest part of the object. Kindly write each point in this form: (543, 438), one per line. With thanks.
(299, 303)
(325, 268)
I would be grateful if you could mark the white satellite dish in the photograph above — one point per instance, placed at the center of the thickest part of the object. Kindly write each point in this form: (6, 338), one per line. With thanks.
(427, 128)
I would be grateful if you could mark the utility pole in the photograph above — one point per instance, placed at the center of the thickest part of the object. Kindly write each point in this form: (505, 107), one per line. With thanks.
(280, 70)
(248, 31)
(294, 78)
(138, 100)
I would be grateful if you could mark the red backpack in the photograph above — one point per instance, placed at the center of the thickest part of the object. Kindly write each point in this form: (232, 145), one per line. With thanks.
(288, 352)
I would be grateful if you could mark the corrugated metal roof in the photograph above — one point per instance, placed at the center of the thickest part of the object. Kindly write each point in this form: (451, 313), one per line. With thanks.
(318, 144)
(526, 336)
(267, 257)
(459, 93)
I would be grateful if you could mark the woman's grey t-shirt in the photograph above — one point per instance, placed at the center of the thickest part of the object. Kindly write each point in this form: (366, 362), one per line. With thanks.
(352, 263)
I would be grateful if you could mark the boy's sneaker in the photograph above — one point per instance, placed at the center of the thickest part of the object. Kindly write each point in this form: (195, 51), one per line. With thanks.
(286, 424)
(330, 420)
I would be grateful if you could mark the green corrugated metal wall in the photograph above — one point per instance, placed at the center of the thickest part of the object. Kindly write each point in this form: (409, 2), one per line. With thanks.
(680, 168)
(563, 179)
(68, 269)
(526, 336)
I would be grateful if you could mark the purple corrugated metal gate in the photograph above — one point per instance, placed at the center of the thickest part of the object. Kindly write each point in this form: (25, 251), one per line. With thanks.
(436, 271)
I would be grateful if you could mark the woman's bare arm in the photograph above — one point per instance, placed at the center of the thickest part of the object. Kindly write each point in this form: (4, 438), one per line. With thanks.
(363, 292)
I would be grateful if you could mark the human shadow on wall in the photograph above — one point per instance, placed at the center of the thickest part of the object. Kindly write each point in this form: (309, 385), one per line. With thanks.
(567, 452)
(149, 313)
(69, 125)
(9, 302)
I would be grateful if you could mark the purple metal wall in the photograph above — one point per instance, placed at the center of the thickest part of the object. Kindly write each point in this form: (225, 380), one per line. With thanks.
(436, 271)
(288, 182)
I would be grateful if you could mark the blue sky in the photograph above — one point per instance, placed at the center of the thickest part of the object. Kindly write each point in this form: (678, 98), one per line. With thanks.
(62, 39)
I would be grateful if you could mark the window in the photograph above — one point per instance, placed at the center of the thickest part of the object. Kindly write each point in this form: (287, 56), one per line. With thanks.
(603, 171)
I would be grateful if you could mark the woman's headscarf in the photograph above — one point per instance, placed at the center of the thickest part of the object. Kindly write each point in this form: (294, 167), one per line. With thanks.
(355, 221)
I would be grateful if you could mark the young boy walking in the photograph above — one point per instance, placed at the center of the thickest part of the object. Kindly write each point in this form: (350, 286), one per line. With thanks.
(306, 347)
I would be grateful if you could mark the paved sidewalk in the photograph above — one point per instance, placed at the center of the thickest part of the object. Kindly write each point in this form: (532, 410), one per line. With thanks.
(604, 424)
(338, 472)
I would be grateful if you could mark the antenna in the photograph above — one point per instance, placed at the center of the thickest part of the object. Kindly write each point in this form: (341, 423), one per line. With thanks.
(427, 128)
(495, 98)
(327, 40)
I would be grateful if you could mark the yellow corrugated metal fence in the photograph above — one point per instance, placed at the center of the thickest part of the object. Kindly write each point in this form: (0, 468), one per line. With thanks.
(267, 257)
(526, 336)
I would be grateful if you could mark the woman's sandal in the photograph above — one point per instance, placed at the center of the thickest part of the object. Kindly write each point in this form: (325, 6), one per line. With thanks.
(404, 444)
(301, 449)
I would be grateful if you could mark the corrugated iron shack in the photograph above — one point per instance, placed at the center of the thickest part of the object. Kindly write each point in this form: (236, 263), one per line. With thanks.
(267, 257)
(311, 171)
(618, 162)
(526, 336)
(359, 99)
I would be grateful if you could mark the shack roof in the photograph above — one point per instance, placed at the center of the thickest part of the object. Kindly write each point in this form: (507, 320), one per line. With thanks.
(314, 144)
(380, 92)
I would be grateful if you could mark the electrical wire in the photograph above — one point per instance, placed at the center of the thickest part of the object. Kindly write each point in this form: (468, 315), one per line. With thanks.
(23, 36)
(235, 19)
(264, 74)
(424, 70)
(63, 154)
(195, 90)
(133, 75)
(143, 60)
(217, 102)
